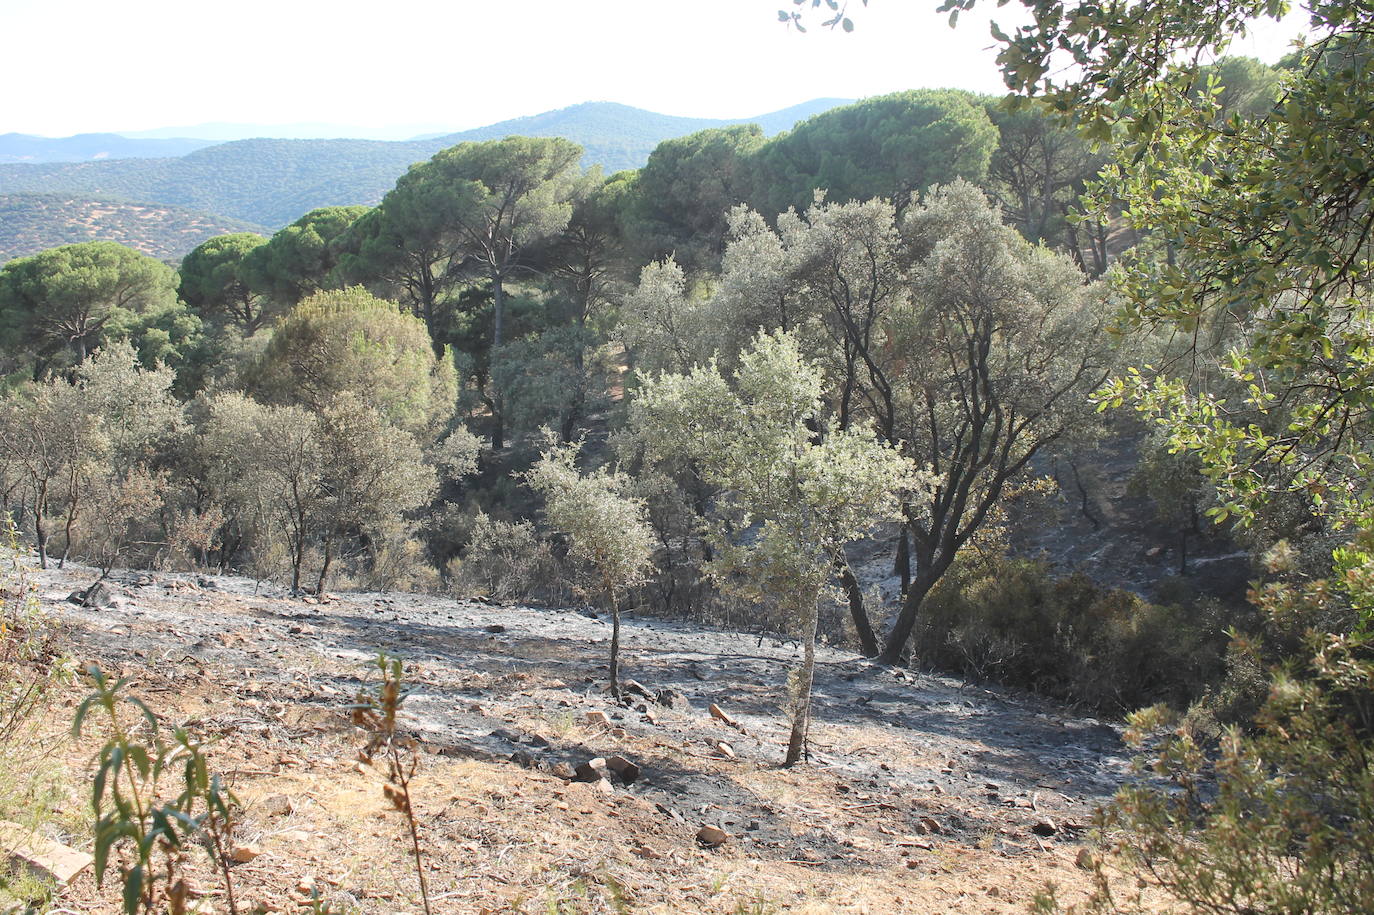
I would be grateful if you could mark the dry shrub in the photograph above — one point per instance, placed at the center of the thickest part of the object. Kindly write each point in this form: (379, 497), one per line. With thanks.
(506, 560)
(31, 663)
(399, 562)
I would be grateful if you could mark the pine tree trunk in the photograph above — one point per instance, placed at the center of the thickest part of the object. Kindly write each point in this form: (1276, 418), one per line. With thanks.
(498, 308)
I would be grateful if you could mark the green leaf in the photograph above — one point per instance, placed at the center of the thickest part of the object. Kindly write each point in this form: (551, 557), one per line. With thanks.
(133, 890)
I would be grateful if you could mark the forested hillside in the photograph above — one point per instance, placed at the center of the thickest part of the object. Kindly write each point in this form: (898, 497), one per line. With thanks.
(29, 223)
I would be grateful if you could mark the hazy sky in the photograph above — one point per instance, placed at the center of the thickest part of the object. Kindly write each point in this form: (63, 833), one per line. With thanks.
(76, 66)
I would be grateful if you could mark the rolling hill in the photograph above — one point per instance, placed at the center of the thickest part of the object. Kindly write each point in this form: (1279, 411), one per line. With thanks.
(30, 223)
(272, 182)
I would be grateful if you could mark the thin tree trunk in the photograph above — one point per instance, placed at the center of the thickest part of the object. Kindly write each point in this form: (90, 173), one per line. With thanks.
(902, 564)
(1083, 504)
(801, 707)
(67, 528)
(40, 532)
(324, 569)
(615, 640)
(297, 558)
(868, 642)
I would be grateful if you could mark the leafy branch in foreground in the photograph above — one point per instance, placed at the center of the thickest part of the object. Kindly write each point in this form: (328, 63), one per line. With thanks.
(148, 834)
(375, 712)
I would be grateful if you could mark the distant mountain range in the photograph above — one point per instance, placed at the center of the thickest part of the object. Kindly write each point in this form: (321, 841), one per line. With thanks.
(87, 147)
(224, 132)
(270, 182)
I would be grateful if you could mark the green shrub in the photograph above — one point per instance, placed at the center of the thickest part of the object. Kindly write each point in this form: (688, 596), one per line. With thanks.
(1009, 621)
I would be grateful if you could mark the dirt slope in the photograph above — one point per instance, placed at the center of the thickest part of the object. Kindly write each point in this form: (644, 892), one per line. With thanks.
(924, 795)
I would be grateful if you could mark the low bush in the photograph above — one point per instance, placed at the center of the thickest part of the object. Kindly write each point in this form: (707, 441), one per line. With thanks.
(506, 560)
(1011, 621)
(1273, 819)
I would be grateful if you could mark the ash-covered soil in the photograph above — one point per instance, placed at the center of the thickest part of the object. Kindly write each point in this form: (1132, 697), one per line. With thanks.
(923, 794)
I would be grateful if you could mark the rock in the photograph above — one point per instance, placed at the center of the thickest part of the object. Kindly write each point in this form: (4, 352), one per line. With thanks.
(618, 732)
(673, 699)
(712, 836)
(97, 597)
(928, 826)
(720, 715)
(276, 805)
(48, 859)
(622, 767)
(598, 719)
(242, 854)
(635, 688)
(1044, 828)
(593, 770)
(721, 747)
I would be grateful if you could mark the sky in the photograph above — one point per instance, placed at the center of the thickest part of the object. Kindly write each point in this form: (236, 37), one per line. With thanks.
(402, 67)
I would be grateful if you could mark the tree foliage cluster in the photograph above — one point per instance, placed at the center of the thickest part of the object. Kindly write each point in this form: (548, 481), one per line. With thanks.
(326, 458)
